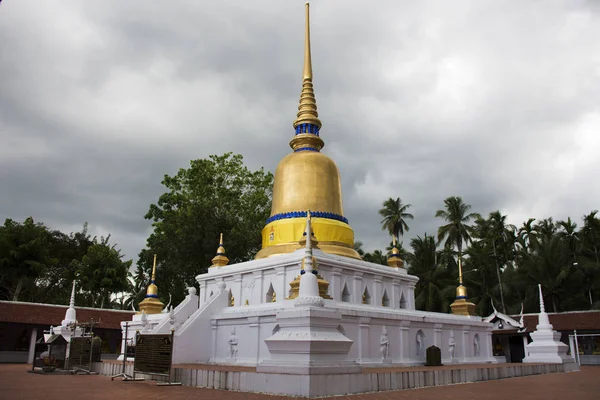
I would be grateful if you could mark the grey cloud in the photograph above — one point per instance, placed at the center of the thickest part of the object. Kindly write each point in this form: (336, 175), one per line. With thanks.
(490, 101)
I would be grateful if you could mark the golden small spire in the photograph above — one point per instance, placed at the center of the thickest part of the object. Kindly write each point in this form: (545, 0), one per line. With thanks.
(151, 304)
(152, 288)
(394, 259)
(154, 269)
(220, 260)
(462, 305)
(307, 123)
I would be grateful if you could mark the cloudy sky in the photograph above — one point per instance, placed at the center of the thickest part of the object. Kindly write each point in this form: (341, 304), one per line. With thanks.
(497, 102)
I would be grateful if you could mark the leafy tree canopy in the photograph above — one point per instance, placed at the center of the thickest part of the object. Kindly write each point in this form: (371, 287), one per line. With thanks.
(215, 195)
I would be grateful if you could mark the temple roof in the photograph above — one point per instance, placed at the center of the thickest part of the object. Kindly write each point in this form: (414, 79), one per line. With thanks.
(53, 314)
(566, 321)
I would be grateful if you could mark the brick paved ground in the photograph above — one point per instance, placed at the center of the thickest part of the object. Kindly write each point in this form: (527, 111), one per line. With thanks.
(16, 383)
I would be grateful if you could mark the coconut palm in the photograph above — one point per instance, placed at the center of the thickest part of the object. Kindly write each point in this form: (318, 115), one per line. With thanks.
(394, 215)
(358, 247)
(499, 238)
(435, 283)
(457, 230)
(527, 235)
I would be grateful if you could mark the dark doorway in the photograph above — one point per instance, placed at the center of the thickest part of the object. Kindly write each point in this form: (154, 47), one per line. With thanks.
(517, 352)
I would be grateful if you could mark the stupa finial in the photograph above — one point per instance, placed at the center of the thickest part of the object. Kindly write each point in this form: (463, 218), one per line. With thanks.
(307, 123)
(151, 304)
(307, 262)
(72, 301)
(220, 260)
(394, 259)
(153, 270)
(542, 308)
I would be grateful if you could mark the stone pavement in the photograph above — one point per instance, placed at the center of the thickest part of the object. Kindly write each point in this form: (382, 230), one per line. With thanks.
(16, 383)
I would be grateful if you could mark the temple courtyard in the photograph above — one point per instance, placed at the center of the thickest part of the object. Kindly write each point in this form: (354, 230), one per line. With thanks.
(16, 383)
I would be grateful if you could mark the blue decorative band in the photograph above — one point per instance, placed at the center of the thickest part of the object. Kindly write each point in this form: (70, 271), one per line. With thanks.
(461, 297)
(305, 149)
(220, 254)
(393, 255)
(315, 272)
(152, 295)
(302, 214)
(302, 272)
(307, 128)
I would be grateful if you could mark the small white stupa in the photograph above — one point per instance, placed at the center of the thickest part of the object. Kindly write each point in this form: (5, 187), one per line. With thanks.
(68, 327)
(546, 346)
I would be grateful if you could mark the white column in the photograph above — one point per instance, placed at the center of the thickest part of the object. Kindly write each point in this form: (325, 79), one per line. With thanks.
(465, 343)
(253, 323)
(357, 291)
(377, 291)
(404, 341)
(437, 336)
(336, 284)
(32, 340)
(364, 324)
(280, 286)
(236, 290)
(395, 296)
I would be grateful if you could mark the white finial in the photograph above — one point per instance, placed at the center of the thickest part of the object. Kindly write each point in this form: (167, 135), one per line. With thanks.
(72, 302)
(543, 320)
(542, 309)
(308, 264)
(71, 314)
(309, 287)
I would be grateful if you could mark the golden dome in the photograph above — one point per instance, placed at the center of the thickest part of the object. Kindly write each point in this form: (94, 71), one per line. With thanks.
(307, 180)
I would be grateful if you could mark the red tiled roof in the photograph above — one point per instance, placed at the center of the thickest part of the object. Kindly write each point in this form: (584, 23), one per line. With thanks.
(567, 321)
(51, 314)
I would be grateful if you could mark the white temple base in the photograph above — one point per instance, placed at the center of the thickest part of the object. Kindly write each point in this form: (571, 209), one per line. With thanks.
(546, 347)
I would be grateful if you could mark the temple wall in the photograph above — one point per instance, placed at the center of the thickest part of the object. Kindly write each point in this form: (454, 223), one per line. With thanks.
(364, 327)
(350, 281)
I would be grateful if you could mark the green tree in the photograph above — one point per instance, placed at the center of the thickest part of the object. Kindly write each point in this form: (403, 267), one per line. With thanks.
(102, 273)
(377, 257)
(213, 196)
(434, 287)
(24, 257)
(457, 230)
(395, 214)
(499, 238)
(358, 247)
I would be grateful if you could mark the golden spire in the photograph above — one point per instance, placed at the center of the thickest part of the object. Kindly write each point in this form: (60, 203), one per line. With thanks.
(220, 260)
(462, 305)
(394, 259)
(151, 304)
(307, 123)
(307, 179)
(152, 288)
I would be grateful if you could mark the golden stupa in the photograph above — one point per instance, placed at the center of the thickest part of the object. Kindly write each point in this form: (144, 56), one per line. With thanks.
(394, 259)
(151, 304)
(462, 305)
(306, 179)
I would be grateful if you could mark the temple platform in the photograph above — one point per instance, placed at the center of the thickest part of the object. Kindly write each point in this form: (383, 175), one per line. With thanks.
(370, 379)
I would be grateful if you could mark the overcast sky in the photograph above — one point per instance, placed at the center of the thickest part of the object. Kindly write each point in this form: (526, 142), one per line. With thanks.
(494, 101)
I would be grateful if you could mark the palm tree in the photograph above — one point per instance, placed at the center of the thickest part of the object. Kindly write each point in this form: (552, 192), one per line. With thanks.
(498, 235)
(435, 283)
(394, 217)
(527, 235)
(404, 254)
(377, 257)
(358, 247)
(457, 230)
